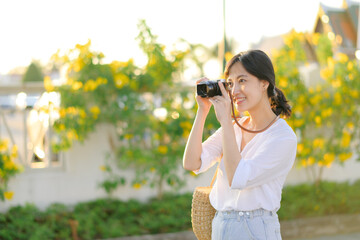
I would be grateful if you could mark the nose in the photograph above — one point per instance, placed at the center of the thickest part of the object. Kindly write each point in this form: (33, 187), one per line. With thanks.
(235, 88)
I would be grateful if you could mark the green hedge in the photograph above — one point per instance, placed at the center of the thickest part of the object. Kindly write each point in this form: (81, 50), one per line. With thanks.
(110, 218)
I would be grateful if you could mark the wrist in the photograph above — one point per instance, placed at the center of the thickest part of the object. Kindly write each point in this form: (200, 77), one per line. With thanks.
(202, 112)
(226, 122)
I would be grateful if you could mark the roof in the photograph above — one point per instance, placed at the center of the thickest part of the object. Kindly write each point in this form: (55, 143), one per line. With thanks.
(341, 21)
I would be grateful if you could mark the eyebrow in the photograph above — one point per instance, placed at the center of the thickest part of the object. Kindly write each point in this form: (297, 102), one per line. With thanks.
(239, 76)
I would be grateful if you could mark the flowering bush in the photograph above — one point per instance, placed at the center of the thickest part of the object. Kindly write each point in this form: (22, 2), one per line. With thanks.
(150, 110)
(325, 115)
(8, 168)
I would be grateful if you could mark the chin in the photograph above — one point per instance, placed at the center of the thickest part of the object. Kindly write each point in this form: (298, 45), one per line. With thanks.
(241, 109)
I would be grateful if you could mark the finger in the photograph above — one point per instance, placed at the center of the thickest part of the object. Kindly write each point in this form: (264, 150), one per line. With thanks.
(213, 100)
(217, 98)
(222, 89)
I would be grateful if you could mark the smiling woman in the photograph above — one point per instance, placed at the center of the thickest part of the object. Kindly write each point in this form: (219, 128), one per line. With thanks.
(253, 165)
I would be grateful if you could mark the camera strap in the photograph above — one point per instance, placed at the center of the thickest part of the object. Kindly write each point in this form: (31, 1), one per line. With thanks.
(243, 128)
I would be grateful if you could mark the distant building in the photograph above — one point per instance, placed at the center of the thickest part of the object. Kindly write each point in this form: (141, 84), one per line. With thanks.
(10, 79)
(341, 25)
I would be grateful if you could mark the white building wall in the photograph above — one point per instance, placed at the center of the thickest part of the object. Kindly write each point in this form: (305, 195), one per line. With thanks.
(78, 179)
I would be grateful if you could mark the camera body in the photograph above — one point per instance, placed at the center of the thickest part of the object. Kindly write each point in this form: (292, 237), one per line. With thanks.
(210, 88)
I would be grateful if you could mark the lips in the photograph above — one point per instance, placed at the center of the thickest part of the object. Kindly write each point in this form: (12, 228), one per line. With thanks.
(239, 100)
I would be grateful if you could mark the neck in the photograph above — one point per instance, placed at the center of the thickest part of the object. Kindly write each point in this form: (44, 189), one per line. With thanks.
(261, 117)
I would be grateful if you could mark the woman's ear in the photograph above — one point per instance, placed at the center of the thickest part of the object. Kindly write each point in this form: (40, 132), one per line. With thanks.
(265, 84)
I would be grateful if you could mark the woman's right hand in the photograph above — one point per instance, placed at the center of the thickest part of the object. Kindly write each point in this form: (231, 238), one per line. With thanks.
(203, 103)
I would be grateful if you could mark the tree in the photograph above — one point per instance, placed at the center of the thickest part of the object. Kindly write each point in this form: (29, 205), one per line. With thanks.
(150, 109)
(325, 118)
(33, 74)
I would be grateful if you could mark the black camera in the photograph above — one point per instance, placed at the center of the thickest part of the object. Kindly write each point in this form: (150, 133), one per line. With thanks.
(210, 88)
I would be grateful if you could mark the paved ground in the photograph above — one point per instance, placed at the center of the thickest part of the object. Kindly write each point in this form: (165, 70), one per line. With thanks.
(188, 235)
(350, 236)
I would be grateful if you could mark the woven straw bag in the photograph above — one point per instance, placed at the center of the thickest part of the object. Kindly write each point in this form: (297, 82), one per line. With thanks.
(202, 213)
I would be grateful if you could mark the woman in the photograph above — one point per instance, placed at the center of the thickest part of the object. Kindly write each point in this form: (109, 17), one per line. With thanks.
(254, 160)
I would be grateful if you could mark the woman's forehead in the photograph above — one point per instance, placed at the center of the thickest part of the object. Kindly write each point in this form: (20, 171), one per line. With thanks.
(237, 70)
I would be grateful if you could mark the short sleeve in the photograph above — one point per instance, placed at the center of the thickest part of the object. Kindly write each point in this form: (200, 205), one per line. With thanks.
(211, 151)
(274, 158)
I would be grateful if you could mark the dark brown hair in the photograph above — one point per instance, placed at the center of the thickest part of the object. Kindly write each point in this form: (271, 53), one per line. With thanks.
(257, 63)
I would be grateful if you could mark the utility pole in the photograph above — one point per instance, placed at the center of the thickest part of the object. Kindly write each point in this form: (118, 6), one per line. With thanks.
(222, 44)
(357, 51)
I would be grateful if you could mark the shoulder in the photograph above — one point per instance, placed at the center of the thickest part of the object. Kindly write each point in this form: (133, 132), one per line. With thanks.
(281, 129)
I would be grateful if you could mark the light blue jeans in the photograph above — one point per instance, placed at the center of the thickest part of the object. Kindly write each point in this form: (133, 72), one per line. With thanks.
(258, 225)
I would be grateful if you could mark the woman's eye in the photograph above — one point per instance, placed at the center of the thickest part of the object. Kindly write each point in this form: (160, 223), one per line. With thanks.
(241, 80)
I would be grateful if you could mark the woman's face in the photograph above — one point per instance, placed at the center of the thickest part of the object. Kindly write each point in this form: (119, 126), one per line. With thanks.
(247, 90)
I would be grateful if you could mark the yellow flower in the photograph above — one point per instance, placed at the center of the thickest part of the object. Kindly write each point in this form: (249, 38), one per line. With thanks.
(103, 168)
(354, 93)
(95, 110)
(317, 207)
(283, 83)
(163, 149)
(14, 151)
(345, 140)
(156, 136)
(315, 38)
(327, 113)
(299, 122)
(350, 125)
(128, 136)
(351, 76)
(186, 125)
(78, 65)
(320, 163)
(316, 99)
(337, 98)
(331, 63)
(82, 113)
(137, 185)
(8, 195)
(300, 147)
(117, 64)
(76, 86)
(4, 145)
(186, 133)
(326, 73)
(304, 163)
(310, 161)
(72, 110)
(328, 159)
(318, 143)
(120, 80)
(228, 56)
(9, 165)
(90, 85)
(49, 87)
(318, 120)
(350, 66)
(101, 80)
(152, 169)
(343, 58)
(70, 135)
(344, 156)
(62, 112)
(336, 83)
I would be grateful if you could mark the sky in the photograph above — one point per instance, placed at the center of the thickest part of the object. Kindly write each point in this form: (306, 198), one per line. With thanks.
(36, 29)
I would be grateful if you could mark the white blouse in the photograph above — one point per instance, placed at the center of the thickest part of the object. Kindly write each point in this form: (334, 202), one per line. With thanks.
(261, 173)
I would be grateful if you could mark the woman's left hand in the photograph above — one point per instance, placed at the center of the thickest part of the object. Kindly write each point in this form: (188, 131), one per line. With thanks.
(222, 105)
